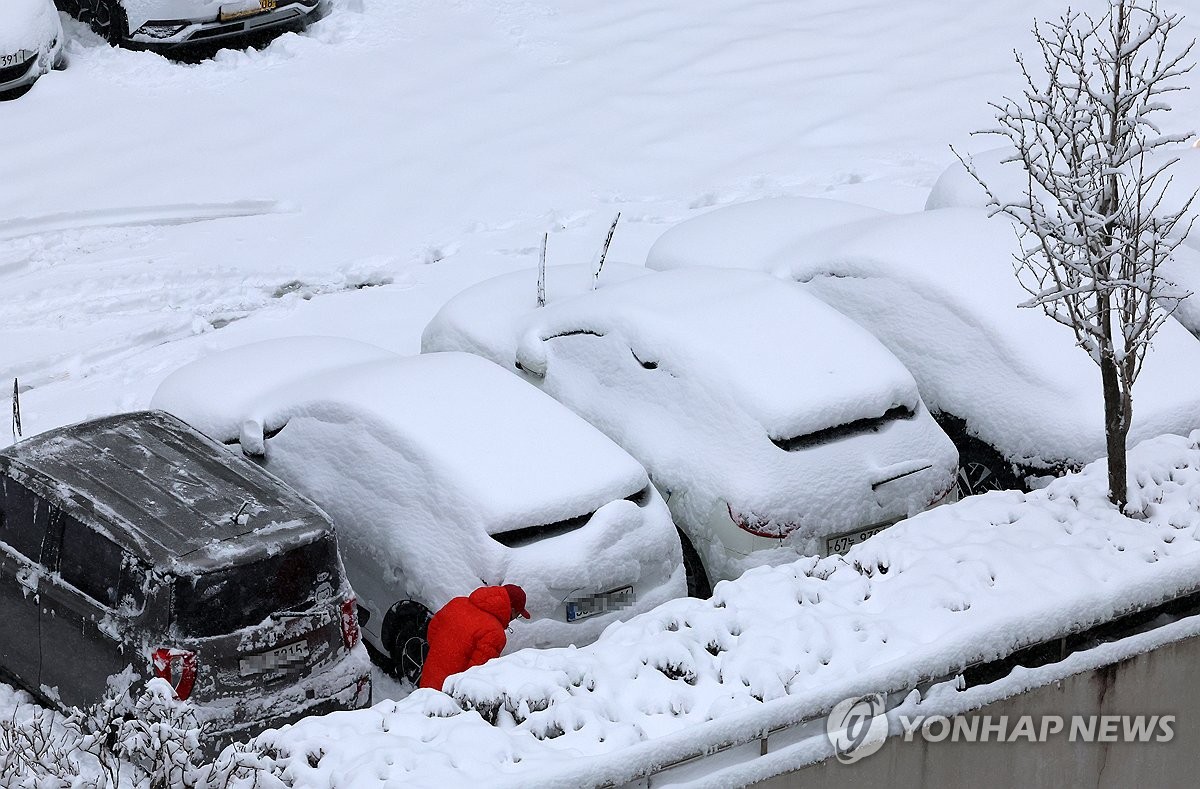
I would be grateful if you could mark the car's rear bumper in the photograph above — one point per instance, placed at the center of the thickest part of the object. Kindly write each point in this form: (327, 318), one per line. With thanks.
(182, 36)
(346, 685)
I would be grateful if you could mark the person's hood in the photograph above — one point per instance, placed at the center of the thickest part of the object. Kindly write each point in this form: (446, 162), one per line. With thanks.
(493, 600)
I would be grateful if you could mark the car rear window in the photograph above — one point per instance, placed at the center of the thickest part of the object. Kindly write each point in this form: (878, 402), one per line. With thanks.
(244, 595)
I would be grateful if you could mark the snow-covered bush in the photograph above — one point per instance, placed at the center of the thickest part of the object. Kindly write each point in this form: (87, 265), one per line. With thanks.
(150, 740)
(36, 753)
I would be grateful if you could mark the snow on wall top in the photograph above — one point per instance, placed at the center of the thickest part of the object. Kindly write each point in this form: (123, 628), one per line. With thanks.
(792, 362)
(938, 289)
(27, 24)
(955, 585)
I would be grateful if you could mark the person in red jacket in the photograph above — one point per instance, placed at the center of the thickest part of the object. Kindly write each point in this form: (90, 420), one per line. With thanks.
(469, 631)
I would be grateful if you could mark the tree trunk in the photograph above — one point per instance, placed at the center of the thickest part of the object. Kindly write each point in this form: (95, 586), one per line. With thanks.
(1116, 428)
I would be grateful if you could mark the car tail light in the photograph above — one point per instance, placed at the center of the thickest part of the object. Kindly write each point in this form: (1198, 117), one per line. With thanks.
(350, 632)
(178, 667)
(759, 527)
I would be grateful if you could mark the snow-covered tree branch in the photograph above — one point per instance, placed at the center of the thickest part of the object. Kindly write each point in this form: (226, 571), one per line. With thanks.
(1094, 232)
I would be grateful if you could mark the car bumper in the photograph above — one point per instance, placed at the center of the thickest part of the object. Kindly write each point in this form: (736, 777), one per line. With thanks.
(183, 35)
(346, 685)
(14, 79)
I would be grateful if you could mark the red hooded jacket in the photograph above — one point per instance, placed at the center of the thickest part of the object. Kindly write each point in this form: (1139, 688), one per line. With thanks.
(467, 631)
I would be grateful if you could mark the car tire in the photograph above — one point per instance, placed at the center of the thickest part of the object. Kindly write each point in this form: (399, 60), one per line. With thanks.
(693, 569)
(407, 639)
(108, 19)
(982, 469)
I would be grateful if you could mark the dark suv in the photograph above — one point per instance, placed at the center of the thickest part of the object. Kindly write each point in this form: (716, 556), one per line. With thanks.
(135, 541)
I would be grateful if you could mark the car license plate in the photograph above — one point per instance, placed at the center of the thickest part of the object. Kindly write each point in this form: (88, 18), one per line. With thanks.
(231, 11)
(279, 659)
(16, 58)
(596, 604)
(840, 543)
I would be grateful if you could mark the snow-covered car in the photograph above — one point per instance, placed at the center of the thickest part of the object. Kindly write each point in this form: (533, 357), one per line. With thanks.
(773, 425)
(937, 287)
(134, 547)
(442, 474)
(170, 26)
(31, 40)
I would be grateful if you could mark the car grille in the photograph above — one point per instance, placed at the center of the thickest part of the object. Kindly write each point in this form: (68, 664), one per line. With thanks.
(9, 73)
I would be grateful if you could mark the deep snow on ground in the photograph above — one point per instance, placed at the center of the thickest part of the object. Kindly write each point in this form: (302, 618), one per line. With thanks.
(421, 146)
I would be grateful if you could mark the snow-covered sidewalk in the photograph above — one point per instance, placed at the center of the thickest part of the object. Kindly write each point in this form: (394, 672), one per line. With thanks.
(954, 586)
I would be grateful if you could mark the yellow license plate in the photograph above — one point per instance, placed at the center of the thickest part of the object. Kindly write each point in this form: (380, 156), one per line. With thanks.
(243, 10)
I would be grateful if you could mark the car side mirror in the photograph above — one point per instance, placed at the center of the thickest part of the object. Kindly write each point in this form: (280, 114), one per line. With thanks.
(252, 438)
(531, 354)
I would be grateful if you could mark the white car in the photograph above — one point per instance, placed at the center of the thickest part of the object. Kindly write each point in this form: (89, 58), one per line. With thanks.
(31, 41)
(773, 425)
(1021, 401)
(442, 474)
(176, 26)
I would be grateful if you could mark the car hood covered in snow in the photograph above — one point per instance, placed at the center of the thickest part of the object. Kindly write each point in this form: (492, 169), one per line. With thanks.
(790, 361)
(444, 473)
(695, 372)
(937, 287)
(502, 451)
(28, 24)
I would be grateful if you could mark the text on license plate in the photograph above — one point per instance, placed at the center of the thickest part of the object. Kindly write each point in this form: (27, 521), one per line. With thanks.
(280, 659)
(840, 543)
(20, 56)
(596, 604)
(245, 8)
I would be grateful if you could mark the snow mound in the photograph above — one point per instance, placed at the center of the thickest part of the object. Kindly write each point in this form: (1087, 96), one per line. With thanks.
(218, 393)
(956, 188)
(777, 222)
(956, 585)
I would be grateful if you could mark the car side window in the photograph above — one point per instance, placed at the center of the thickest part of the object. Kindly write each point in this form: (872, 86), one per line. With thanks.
(90, 562)
(23, 518)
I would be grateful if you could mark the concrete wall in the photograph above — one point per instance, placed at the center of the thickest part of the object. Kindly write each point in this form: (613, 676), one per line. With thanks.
(1165, 681)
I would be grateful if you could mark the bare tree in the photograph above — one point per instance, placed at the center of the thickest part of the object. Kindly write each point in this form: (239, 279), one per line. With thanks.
(1093, 225)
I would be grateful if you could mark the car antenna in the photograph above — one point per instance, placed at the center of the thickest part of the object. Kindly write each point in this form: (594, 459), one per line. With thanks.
(604, 252)
(237, 519)
(541, 286)
(16, 411)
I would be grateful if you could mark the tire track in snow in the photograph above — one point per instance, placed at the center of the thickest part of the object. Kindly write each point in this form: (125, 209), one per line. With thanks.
(157, 216)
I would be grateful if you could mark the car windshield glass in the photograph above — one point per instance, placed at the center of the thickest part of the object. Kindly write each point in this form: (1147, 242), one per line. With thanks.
(246, 594)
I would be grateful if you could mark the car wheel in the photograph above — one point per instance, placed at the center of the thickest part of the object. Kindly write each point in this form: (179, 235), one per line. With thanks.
(693, 569)
(409, 645)
(108, 18)
(981, 470)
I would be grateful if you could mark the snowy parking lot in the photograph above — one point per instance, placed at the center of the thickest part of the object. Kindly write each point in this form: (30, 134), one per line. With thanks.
(350, 180)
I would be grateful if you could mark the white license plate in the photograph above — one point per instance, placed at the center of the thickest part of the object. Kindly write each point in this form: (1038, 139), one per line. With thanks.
(280, 659)
(840, 543)
(20, 56)
(245, 8)
(596, 604)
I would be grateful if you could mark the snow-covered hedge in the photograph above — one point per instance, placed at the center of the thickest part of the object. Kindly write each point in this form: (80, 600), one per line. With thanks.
(959, 584)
